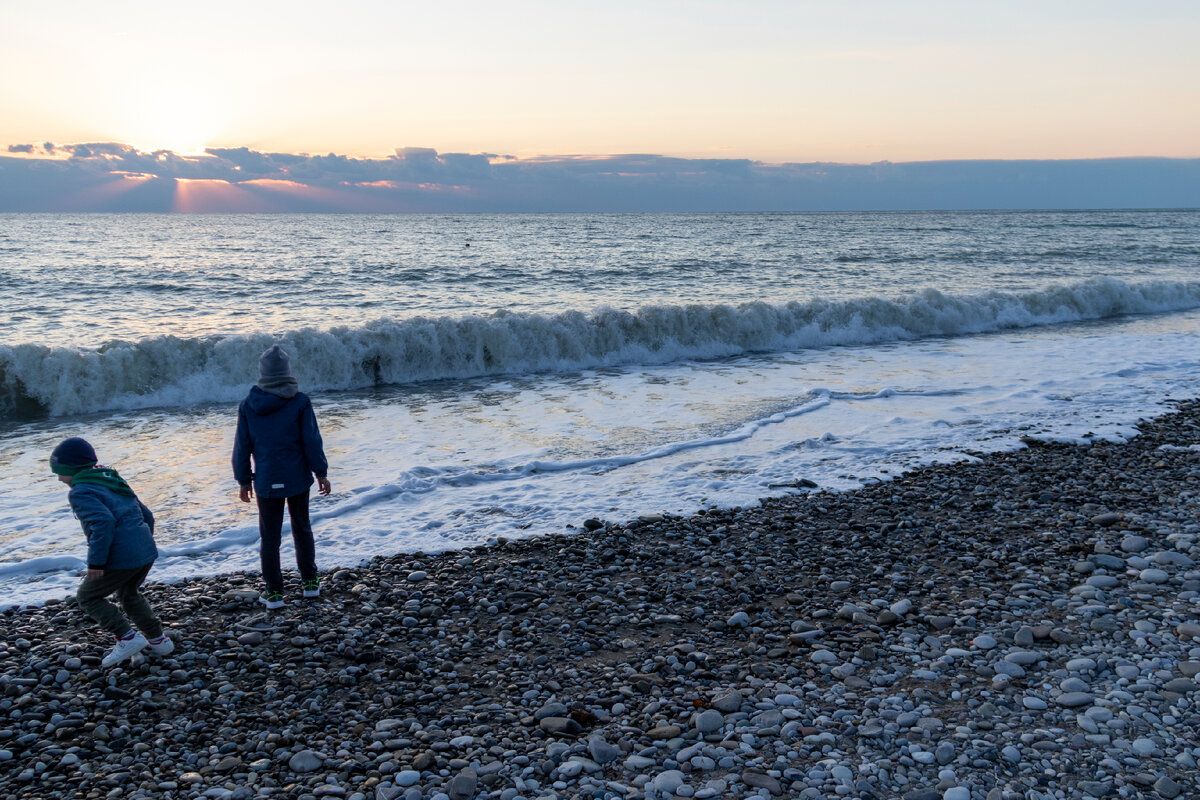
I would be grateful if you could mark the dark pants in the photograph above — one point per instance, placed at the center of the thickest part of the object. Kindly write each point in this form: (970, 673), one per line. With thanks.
(270, 530)
(126, 584)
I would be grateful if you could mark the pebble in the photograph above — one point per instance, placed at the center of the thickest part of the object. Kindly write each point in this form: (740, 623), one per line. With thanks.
(559, 726)
(728, 701)
(305, 761)
(709, 721)
(463, 785)
(668, 781)
(662, 732)
(1154, 575)
(758, 780)
(1023, 658)
(1143, 746)
(602, 752)
(1167, 787)
(1134, 544)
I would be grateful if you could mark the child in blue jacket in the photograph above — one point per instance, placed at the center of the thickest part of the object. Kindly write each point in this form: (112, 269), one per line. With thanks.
(120, 534)
(276, 427)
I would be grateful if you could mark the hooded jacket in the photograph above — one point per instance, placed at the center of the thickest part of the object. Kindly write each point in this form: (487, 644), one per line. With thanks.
(119, 528)
(281, 435)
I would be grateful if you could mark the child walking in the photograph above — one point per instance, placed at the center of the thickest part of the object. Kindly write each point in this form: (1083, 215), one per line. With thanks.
(120, 535)
(276, 427)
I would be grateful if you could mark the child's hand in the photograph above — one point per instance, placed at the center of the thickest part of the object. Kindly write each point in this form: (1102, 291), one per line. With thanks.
(324, 486)
(246, 492)
(93, 574)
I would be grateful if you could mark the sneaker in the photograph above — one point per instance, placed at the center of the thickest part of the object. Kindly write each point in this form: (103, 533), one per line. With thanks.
(162, 645)
(125, 648)
(311, 586)
(271, 599)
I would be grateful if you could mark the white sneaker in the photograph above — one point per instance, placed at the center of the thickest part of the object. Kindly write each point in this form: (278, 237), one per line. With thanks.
(271, 600)
(162, 645)
(311, 587)
(125, 648)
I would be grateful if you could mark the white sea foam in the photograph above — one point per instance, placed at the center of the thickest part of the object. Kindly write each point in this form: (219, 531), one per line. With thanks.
(172, 372)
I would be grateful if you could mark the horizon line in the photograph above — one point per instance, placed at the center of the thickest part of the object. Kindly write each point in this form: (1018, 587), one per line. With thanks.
(111, 176)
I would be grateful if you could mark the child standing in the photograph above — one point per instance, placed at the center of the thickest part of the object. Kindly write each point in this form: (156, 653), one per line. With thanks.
(277, 427)
(120, 535)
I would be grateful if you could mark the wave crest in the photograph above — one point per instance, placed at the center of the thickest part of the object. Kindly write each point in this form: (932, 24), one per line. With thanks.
(173, 371)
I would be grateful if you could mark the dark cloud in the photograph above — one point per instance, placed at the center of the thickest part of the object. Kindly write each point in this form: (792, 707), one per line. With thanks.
(114, 176)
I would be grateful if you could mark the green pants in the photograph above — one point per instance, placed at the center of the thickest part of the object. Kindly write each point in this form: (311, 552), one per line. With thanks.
(125, 583)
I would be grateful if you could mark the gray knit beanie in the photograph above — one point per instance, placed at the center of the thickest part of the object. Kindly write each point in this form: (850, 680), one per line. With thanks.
(275, 363)
(275, 373)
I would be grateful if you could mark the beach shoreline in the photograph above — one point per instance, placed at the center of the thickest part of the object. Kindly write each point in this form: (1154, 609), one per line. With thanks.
(1021, 625)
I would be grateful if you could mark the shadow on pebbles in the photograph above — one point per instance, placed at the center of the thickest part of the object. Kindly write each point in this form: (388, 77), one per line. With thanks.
(1020, 626)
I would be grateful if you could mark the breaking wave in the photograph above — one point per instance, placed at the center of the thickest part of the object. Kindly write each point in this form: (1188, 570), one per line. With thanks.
(171, 371)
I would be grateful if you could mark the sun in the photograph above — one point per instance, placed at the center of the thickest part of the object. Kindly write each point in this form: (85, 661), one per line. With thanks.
(180, 121)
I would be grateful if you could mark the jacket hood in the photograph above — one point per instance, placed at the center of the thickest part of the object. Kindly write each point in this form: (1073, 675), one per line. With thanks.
(264, 403)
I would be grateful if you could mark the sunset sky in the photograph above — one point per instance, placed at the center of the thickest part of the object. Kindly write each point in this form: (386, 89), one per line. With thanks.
(770, 82)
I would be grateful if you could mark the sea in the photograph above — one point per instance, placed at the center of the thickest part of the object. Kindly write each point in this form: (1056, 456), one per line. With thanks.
(479, 377)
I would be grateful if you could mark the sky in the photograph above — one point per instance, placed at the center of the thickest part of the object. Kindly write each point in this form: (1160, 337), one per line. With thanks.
(765, 83)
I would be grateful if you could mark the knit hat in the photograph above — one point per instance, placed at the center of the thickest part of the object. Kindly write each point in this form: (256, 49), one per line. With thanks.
(71, 456)
(274, 364)
(275, 373)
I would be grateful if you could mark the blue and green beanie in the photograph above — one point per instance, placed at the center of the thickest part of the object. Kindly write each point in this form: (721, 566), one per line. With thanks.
(72, 456)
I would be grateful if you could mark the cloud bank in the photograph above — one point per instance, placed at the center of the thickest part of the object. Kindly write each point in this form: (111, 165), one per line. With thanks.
(108, 176)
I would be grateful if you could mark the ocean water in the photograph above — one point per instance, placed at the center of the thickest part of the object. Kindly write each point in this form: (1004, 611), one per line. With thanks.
(479, 376)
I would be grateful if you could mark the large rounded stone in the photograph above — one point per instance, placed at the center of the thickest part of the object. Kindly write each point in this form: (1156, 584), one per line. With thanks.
(709, 721)
(667, 782)
(305, 761)
(1074, 699)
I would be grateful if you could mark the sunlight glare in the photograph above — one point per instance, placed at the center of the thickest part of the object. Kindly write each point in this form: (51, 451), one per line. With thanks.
(175, 120)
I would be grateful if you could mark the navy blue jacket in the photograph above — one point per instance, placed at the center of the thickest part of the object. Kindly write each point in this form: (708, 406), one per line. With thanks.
(119, 528)
(282, 436)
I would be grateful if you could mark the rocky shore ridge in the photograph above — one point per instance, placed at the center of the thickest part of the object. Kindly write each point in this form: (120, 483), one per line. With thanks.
(1019, 626)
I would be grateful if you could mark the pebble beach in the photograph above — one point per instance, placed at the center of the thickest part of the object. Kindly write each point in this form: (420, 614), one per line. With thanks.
(1020, 626)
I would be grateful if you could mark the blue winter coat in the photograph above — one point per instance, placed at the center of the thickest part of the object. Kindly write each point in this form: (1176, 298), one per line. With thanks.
(119, 528)
(282, 436)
